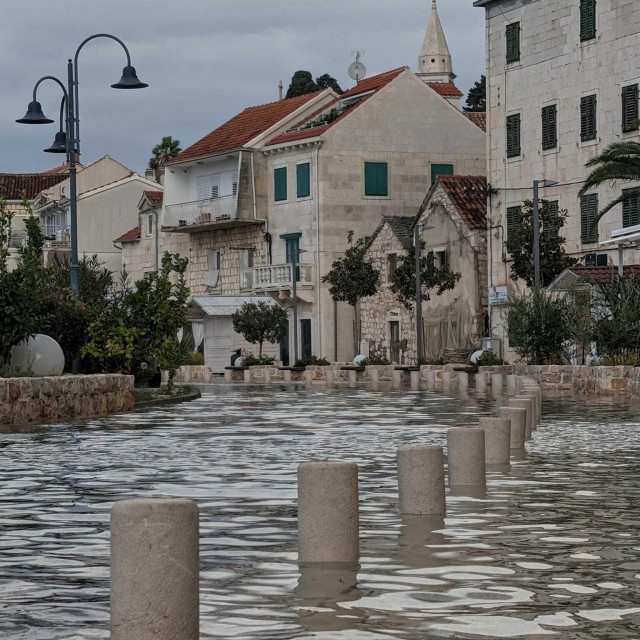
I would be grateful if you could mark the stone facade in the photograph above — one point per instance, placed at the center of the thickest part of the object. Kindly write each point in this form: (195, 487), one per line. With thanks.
(555, 68)
(36, 400)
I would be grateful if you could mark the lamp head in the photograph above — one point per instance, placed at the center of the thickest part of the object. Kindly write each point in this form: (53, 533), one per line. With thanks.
(59, 144)
(34, 115)
(129, 80)
(550, 183)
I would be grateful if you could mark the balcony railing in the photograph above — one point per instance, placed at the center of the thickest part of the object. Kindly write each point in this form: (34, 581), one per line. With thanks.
(276, 277)
(56, 236)
(201, 213)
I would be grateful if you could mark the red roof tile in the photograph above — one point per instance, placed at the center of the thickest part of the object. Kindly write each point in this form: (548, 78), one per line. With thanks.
(603, 274)
(63, 168)
(469, 195)
(154, 197)
(130, 236)
(12, 185)
(446, 89)
(373, 84)
(479, 118)
(244, 127)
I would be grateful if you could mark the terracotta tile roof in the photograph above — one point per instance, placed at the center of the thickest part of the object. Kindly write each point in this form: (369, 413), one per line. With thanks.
(154, 197)
(446, 89)
(372, 84)
(130, 236)
(244, 127)
(479, 118)
(63, 168)
(603, 274)
(469, 195)
(13, 184)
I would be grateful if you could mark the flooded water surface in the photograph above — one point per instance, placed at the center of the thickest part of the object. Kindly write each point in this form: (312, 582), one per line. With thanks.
(553, 549)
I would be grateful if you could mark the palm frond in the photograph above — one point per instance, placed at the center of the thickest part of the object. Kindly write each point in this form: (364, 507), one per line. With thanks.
(608, 208)
(612, 171)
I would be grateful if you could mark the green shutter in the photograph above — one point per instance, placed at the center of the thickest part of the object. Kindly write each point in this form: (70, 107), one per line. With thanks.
(630, 108)
(588, 118)
(513, 217)
(554, 210)
(440, 170)
(513, 135)
(631, 207)
(588, 214)
(280, 184)
(587, 20)
(513, 42)
(303, 180)
(549, 127)
(376, 179)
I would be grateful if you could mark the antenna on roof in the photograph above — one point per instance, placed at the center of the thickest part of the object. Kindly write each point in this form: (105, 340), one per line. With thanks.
(280, 88)
(357, 70)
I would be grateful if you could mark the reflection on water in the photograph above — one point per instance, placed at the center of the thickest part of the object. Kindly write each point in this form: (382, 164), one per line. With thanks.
(552, 549)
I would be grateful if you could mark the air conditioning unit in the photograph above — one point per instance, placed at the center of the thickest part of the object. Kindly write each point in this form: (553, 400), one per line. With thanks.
(492, 344)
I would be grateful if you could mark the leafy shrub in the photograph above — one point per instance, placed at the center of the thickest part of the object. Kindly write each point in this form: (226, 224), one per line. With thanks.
(252, 361)
(310, 361)
(374, 361)
(631, 359)
(260, 322)
(195, 359)
(489, 359)
(432, 361)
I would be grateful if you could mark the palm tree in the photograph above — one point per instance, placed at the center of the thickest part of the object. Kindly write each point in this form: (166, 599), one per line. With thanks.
(163, 152)
(619, 161)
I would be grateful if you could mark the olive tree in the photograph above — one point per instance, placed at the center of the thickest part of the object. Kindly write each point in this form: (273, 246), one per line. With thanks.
(259, 322)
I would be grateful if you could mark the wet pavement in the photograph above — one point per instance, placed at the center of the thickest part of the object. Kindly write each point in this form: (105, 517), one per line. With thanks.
(553, 549)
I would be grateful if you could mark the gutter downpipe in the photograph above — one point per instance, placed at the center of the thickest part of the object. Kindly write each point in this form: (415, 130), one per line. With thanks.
(318, 294)
(157, 234)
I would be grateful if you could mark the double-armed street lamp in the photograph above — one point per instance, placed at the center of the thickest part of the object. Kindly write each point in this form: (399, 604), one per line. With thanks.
(67, 140)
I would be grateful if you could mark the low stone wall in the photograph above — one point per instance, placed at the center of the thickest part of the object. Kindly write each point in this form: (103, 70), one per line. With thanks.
(191, 373)
(35, 400)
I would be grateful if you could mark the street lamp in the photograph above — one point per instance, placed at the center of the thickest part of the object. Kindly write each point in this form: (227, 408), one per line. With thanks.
(418, 255)
(69, 141)
(537, 184)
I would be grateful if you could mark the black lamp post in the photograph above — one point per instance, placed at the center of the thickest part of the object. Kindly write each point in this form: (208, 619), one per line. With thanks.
(69, 141)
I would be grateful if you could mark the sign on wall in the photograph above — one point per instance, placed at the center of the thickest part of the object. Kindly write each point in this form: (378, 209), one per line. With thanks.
(498, 295)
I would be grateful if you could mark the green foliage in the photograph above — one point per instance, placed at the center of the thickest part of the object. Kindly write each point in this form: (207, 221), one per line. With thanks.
(163, 153)
(477, 96)
(311, 361)
(432, 361)
(173, 353)
(541, 326)
(553, 260)
(302, 83)
(325, 81)
(260, 322)
(489, 359)
(619, 360)
(252, 361)
(195, 359)
(374, 361)
(403, 281)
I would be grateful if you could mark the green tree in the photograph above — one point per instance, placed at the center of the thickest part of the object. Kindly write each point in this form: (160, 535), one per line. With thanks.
(163, 153)
(477, 96)
(553, 260)
(326, 81)
(352, 278)
(301, 84)
(260, 322)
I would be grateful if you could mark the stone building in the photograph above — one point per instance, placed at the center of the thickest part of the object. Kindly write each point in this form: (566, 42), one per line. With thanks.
(452, 222)
(562, 84)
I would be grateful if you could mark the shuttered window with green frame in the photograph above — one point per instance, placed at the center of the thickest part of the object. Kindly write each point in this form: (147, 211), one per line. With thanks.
(280, 184)
(513, 135)
(588, 215)
(554, 209)
(588, 118)
(549, 127)
(631, 207)
(630, 108)
(513, 217)
(440, 170)
(303, 180)
(376, 179)
(513, 42)
(587, 20)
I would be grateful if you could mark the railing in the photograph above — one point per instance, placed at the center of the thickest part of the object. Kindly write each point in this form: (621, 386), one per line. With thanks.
(201, 212)
(56, 236)
(280, 276)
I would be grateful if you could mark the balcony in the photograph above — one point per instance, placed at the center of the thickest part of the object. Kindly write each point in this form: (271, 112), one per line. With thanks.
(203, 215)
(56, 236)
(278, 278)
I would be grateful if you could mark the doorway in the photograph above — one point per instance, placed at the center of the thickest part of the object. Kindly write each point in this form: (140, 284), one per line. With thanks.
(284, 348)
(305, 338)
(394, 341)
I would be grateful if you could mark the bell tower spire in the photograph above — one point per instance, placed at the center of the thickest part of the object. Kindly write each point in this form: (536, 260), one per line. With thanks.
(434, 63)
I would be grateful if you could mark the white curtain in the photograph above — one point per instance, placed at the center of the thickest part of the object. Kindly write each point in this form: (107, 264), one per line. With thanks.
(180, 334)
(197, 328)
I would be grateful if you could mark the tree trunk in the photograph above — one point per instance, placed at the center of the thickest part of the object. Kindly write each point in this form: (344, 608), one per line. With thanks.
(260, 350)
(357, 328)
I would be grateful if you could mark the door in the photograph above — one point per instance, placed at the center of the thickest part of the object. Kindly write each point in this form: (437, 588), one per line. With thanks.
(394, 341)
(284, 348)
(305, 338)
(218, 342)
(293, 248)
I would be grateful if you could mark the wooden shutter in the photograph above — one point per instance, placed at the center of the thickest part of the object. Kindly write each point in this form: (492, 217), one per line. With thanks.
(631, 208)
(513, 135)
(549, 127)
(588, 115)
(280, 184)
(630, 108)
(303, 180)
(440, 170)
(376, 179)
(203, 187)
(587, 20)
(513, 42)
(588, 214)
(513, 217)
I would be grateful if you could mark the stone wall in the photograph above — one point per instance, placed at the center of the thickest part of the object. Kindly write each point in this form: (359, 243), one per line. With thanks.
(35, 400)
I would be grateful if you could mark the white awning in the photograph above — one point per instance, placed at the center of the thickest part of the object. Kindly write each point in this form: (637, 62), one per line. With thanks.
(216, 306)
(623, 237)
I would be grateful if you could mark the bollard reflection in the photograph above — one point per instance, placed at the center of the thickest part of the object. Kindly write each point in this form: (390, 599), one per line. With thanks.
(418, 534)
(469, 491)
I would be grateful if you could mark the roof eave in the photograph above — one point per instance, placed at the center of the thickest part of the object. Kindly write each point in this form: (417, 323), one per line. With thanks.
(209, 156)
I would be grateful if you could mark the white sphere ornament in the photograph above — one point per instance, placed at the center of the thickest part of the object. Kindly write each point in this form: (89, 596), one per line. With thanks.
(239, 362)
(38, 356)
(475, 356)
(358, 360)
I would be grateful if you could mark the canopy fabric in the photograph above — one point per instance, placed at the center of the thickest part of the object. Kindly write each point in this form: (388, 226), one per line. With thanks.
(216, 306)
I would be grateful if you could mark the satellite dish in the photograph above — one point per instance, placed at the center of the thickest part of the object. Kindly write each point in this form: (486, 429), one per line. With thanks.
(357, 71)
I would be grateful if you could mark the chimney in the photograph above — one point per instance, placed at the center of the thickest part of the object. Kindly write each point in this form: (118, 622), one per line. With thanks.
(149, 174)
(161, 176)
(280, 88)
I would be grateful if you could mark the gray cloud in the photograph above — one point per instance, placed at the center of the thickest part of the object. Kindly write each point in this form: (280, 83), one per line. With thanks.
(204, 59)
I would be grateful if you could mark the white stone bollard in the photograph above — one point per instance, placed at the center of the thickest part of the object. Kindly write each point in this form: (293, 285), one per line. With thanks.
(228, 375)
(352, 378)
(397, 378)
(287, 376)
(463, 380)
(328, 518)
(446, 380)
(512, 385)
(518, 418)
(496, 384)
(267, 376)
(330, 377)
(154, 570)
(431, 380)
(535, 398)
(497, 440)
(247, 375)
(524, 403)
(481, 382)
(465, 456)
(421, 480)
(308, 377)
(415, 380)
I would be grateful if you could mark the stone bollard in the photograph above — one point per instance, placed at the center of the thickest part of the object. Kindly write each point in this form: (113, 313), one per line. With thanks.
(431, 380)
(497, 441)
(446, 380)
(415, 380)
(512, 385)
(228, 375)
(374, 376)
(267, 376)
(496, 384)
(154, 570)
(535, 398)
(330, 377)
(308, 377)
(247, 375)
(352, 378)
(537, 393)
(463, 380)
(518, 418)
(397, 378)
(421, 481)
(287, 376)
(328, 519)
(465, 455)
(481, 382)
(524, 403)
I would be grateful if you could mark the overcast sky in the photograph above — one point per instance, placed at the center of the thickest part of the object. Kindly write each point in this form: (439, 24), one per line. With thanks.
(205, 60)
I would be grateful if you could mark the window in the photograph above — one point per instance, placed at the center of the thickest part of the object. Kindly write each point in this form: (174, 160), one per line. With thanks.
(280, 184)
(303, 180)
(150, 224)
(513, 217)
(587, 20)
(588, 214)
(292, 250)
(513, 135)
(440, 258)
(588, 129)
(208, 187)
(247, 260)
(550, 127)
(392, 265)
(630, 108)
(554, 210)
(376, 179)
(596, 260)
(234, 184)
(440, 170)
(631, 207)
(513, 42)
(214, 262)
